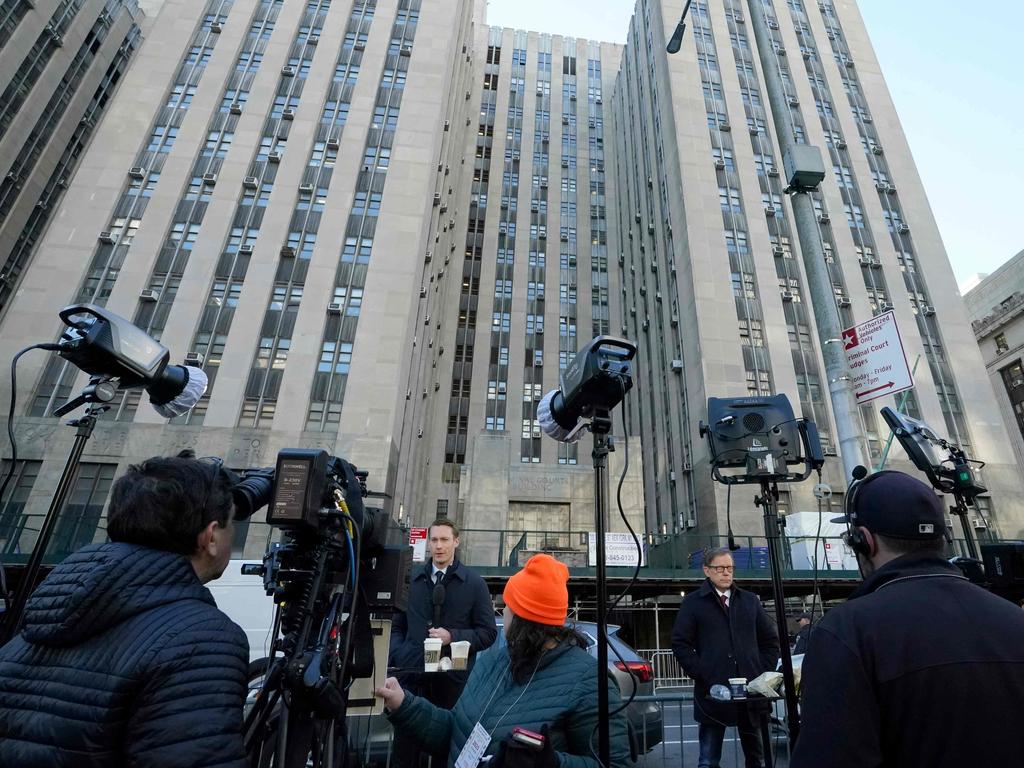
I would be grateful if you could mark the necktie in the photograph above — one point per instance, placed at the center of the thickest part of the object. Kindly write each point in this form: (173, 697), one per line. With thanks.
(438, 576)
(725, 602)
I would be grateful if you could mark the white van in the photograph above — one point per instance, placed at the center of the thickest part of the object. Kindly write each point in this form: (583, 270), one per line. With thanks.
(245, 602)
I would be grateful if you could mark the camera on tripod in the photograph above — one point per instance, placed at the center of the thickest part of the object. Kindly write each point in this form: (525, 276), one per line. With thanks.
(317, 500)
(330, 575)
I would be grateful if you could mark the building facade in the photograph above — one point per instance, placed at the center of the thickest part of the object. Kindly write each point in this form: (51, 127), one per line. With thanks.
(60, 63)
(713, 285)
(383, 229)
(996, 308)
(536, 286)
(266, 202)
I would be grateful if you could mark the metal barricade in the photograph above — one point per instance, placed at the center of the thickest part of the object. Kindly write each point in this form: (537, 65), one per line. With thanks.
(667, 672)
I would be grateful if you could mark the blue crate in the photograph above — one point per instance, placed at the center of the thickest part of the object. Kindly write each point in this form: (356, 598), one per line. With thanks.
(745, 558)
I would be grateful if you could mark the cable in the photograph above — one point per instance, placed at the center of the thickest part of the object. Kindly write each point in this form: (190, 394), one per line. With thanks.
(639, 555)
(14, 445)
(817, 538)
(728, 518)
(629, 585)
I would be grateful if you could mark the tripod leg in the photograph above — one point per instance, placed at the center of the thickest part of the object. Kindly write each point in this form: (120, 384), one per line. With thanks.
(766, 740)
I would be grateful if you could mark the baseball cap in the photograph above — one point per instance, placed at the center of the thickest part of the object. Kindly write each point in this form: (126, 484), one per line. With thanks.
(895, 504)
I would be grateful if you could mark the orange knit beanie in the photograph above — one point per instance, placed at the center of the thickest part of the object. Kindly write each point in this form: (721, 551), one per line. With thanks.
(538, 592)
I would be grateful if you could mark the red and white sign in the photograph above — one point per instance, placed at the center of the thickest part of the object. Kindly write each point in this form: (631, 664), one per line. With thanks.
(418, 542)
(878, 364)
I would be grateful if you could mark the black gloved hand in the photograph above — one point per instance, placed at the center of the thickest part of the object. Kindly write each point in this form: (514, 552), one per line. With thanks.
(514, 754)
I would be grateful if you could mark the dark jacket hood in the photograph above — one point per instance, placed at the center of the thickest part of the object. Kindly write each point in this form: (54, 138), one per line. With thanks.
(912, 566)
(102, 585)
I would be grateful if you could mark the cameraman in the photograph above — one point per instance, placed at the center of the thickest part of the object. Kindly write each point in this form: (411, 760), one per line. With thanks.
(921, 667)
(124, 658)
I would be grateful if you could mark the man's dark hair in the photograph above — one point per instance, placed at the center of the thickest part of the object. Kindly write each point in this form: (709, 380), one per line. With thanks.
(445, 521)
(936, 545)
(165, 502)
(526, 639)
(710, 555)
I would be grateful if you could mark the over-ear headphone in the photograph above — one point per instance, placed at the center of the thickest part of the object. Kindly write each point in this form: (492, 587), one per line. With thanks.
(854, 536)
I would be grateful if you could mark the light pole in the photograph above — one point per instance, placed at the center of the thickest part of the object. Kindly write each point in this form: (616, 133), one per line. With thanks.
(805, 170)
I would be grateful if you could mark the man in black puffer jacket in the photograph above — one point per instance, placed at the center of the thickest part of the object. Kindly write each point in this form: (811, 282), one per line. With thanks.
(124, 658)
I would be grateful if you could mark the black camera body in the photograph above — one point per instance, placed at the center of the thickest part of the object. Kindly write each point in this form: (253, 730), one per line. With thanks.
(302, 492)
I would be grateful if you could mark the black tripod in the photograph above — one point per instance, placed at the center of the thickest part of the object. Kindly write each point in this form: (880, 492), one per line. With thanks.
(600, 426)
(961, 510)
(768, 501)
(299, 714)
(100, 391)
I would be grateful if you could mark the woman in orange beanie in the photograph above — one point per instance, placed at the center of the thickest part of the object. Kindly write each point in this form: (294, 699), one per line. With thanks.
(542, 680)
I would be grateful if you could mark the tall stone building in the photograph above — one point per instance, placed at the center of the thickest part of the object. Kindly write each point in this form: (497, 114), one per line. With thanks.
(383, 229)
(537, 284)
(996, 308)
(60, 63)
(273, 197)
(713, 286)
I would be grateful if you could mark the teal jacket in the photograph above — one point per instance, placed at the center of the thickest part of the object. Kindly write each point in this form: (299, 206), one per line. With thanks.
(562, 694)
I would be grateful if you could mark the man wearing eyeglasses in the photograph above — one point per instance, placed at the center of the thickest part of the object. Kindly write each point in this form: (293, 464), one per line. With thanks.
(722, 631)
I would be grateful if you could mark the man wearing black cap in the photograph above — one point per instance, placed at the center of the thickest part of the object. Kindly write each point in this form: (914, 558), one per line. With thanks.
(921, 666)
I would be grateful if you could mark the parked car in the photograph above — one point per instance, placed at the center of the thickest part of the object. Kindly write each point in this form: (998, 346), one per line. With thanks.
(370, 736)
(629, 670)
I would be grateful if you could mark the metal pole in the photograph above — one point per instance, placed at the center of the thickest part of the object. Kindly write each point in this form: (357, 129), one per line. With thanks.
(600, 427)
(961, 511)
(852, 442)
(766, 501)
(12, 618)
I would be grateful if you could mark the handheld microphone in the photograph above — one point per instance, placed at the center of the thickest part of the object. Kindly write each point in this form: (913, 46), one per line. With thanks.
(178, 390)
(438, 603)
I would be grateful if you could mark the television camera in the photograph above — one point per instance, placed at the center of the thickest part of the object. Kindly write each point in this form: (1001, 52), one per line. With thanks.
(333, 567)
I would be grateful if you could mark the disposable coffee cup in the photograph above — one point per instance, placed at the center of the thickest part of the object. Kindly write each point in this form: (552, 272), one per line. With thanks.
(738, 687)
(460, 654)
(431, 654)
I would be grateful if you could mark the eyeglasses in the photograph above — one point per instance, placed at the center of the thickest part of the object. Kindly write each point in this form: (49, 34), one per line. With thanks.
(721, 568)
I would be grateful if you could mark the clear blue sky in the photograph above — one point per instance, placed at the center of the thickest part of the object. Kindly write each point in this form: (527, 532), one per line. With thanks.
(957, 80)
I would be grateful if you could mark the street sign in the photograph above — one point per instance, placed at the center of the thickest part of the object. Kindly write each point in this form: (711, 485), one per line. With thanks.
(619, 549)
(878, 364)
(418, 542)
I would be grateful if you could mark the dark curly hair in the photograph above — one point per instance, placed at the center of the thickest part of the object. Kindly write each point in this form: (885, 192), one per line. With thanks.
(526, 640)
(165, 502)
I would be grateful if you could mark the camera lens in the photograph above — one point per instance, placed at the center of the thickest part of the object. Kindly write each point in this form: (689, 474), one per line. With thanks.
(252, 493)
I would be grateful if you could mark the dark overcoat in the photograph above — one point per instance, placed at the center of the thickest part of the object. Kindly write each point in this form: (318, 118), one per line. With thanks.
(712, 645)
(920, 668)
(467, 613)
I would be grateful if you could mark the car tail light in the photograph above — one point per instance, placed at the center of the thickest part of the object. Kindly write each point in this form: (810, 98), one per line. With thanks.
(641, 670)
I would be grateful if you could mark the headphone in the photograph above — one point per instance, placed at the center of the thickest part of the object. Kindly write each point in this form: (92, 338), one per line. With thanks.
(855, 537)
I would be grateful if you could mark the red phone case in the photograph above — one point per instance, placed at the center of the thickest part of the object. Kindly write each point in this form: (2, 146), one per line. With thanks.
(528, 737)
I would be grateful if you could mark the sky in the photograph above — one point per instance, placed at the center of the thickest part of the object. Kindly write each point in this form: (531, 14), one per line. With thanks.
(958, 85)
